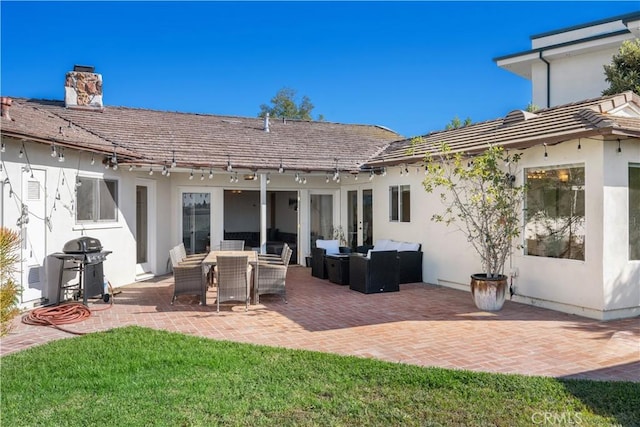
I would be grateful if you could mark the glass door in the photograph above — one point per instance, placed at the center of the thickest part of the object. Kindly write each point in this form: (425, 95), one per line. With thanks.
(359, 217)
(320, 217)
(196, 222)
(141, 225)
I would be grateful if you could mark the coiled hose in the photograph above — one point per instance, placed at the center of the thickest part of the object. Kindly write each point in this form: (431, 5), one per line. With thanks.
(62, 314)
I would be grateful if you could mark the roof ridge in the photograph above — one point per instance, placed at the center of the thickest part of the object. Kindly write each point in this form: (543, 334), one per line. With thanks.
(221, 116)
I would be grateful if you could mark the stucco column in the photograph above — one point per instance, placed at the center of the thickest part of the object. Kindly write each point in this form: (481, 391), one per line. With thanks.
(263, 213)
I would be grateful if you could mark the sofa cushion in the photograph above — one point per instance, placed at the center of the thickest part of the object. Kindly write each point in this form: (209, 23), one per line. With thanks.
(331, 247)
(381, 244)
(393, 246)
(408, 246)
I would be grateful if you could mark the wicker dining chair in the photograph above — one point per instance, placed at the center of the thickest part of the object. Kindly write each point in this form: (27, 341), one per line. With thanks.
(275, 258)
(233, 277)
(272, 277)
(188, 277)
(232, 245)
(182, 252)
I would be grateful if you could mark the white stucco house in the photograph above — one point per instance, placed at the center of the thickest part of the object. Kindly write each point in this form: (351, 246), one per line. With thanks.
(142, 181)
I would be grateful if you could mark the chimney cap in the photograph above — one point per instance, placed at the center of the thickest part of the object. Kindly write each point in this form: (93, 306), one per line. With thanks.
(84, 68)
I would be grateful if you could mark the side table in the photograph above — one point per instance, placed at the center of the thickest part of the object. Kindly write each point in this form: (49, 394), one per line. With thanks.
(338, 268)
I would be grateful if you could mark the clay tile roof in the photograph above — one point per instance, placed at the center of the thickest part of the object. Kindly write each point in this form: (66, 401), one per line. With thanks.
(203, 140)
(520, 129)
(30, 121)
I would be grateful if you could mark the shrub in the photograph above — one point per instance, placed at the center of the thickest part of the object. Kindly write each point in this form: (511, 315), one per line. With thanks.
(9, 290)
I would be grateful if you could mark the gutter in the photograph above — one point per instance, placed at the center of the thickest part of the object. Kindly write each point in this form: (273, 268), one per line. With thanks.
(548, 78)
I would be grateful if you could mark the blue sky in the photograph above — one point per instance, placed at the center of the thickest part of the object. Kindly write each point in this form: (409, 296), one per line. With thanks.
(410, 66)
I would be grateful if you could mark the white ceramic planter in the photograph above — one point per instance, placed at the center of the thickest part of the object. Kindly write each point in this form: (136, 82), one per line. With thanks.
(488, 294)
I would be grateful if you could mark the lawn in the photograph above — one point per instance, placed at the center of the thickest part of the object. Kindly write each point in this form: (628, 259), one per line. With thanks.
(142, 377)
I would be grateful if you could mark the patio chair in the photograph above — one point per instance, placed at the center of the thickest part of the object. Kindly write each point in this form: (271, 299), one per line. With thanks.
(189, 278)
(379, 273)
(182, 253)
(232, 245)
(271, 277)
(318, 261)
(275, 258)
(233, 276)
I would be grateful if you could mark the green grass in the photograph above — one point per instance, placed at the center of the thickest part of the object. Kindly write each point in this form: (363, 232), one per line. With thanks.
(141, 377)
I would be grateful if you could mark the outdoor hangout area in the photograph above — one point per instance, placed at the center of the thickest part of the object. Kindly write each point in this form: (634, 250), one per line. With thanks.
(422, 325)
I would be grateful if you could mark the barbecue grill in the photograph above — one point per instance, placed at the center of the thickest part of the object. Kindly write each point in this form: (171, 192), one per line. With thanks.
(84, 255)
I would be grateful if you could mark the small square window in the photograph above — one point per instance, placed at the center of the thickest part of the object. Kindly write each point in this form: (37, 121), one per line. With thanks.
(400, 203)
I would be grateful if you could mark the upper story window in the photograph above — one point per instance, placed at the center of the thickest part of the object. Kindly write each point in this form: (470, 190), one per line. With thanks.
(634, 212)
(400, 203)
(555, 212)
(97, 200)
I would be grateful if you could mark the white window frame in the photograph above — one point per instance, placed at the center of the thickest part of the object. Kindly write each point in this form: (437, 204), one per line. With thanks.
(553, 222)
(96, 202)
(397, 207)
(633, 218)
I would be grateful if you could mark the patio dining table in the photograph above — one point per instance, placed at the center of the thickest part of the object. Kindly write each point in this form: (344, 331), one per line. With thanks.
(211, 260)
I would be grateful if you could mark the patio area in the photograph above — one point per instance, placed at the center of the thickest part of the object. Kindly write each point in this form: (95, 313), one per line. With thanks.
(421, 325)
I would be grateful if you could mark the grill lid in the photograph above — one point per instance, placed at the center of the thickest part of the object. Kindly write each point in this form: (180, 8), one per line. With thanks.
(82, 245)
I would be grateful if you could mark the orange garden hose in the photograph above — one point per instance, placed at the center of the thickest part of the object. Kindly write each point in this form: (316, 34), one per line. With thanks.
(62, 314)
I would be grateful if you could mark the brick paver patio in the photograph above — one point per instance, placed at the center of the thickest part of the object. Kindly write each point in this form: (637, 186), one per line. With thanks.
(422, 324)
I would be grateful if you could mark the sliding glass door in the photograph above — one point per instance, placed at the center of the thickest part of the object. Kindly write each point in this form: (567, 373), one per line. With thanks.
(196, 222)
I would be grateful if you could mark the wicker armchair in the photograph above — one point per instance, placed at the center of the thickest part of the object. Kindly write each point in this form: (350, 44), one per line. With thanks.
(232, 245)
(379, 273)
(271, 277)
(189, 278)
(233, 276)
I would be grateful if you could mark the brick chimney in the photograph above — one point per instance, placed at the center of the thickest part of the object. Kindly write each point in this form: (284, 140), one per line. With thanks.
(83, 88)
(6, 104)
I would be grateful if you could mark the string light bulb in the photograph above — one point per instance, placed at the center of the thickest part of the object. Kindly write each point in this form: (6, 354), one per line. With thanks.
(281, 168)
(150, 170)
(53, 150)
(173, 159)
(202, 176)
(268, 178)
(191, 175)
(3, 147)
(164, 170)
(579, 144)
(21, 153)
(545, 150)
(619, 147)
(93, 159)
(61, 156)
(211, 173)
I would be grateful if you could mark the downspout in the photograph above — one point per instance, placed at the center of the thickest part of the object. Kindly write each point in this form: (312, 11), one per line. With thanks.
(548, 79)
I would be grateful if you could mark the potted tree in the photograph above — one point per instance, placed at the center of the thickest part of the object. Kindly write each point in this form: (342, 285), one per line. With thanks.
(481, 197)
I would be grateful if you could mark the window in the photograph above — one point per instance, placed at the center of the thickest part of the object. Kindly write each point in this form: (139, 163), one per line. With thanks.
(400, 203)
(97, 200)
(555, 216)
(634, 212)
